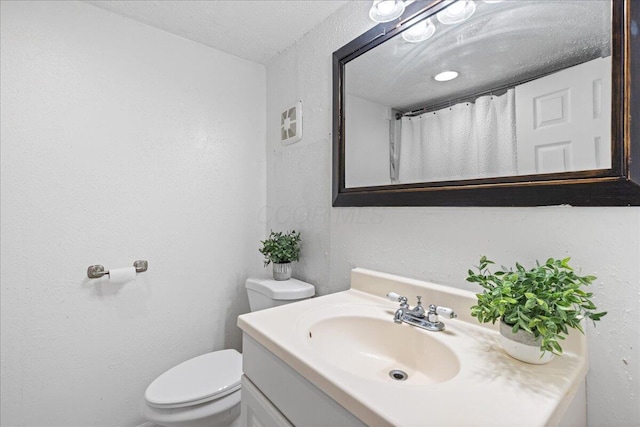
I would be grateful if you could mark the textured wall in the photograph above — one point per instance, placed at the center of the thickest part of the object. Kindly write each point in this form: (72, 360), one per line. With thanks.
(119, 142)
(439, 244)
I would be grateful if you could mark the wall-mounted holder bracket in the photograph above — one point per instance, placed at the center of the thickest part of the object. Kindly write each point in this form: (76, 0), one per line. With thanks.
(97, 271)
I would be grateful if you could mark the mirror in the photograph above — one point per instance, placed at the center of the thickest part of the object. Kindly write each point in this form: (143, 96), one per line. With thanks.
(477, 96)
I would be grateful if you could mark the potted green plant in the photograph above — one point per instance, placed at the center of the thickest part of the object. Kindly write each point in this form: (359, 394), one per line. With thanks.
(281, 249)
(535, 307)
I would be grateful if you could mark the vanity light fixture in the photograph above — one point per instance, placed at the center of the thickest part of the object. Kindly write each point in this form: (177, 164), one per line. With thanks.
(457, 11)
(386, 10)
(420, 31)
(445, 76)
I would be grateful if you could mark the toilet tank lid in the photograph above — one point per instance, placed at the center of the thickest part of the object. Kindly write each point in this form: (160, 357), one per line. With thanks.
(281, 289)
(197, 380)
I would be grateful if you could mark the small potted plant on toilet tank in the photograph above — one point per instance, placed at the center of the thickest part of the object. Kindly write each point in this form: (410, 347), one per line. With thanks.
(281, 249)
(535, 307)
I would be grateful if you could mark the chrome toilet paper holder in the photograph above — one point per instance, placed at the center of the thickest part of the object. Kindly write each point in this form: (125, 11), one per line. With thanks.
(97, 271)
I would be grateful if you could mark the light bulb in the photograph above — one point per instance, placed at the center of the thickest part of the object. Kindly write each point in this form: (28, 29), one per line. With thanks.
(419, 32)
(417, 28)
(385, 7)
(457, 11)
(386, 10)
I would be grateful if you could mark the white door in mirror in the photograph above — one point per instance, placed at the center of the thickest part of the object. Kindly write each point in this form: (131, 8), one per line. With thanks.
(563, 120)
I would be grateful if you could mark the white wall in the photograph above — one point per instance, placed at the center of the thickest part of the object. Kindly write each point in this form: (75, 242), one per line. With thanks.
(367, 154)
(119, 142)
(439, 244)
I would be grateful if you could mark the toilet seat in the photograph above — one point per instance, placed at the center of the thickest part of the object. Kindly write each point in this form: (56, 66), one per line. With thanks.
(202, 379)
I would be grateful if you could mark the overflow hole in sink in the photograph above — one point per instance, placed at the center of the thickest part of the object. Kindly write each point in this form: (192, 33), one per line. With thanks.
(398, 375)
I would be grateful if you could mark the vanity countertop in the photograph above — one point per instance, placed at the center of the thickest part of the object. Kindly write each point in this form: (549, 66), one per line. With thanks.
(490, 387)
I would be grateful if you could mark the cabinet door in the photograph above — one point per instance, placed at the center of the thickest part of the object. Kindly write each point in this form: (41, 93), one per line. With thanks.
(257, 410)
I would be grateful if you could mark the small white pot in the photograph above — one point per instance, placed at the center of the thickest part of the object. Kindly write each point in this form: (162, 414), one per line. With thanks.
(523, 346)
(282, 271)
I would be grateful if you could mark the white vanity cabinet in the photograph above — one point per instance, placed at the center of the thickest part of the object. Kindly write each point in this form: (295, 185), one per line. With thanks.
(275, 395)
(257, 410)
(303, 404)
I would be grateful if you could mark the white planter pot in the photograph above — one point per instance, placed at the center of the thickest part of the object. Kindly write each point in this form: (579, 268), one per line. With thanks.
(282, 271)
(523, 346)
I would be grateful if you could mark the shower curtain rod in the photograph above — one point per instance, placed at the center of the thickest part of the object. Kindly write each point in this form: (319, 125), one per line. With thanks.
(467, 98)
(498, 90)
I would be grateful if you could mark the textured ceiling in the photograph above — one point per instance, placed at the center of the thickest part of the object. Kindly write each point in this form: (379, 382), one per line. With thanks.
(252, 29)
(502, 43)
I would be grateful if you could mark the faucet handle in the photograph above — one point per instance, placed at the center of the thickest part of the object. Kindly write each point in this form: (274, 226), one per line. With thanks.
(392, 296)
(446, 312)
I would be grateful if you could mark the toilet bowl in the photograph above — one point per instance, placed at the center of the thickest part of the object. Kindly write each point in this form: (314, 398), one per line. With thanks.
(205, 391)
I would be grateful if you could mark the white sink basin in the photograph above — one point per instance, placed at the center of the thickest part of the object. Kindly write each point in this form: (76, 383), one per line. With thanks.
(345, 344)
(371, 348)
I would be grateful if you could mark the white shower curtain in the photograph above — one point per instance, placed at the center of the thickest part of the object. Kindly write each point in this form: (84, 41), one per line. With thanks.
(465, 141)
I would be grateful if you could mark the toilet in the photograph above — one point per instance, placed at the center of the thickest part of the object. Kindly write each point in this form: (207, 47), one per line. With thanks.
(205, 390)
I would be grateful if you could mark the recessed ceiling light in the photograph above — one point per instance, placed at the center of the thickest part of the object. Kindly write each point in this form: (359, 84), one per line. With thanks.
(419, 32)
(456, 11)
(445, 76)
(386, 10)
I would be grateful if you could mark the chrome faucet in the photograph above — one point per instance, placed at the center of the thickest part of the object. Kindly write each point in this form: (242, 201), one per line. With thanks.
(417, 317)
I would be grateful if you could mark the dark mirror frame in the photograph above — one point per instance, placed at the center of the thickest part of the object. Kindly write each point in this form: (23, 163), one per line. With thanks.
(618, 186)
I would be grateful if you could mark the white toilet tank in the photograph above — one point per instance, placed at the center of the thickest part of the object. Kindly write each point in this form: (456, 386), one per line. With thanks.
(267, 293)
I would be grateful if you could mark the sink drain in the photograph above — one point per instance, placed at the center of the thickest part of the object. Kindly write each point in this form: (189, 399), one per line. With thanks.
(398, 375)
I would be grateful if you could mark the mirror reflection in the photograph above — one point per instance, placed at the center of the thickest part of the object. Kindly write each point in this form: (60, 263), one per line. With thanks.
(483, 89)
